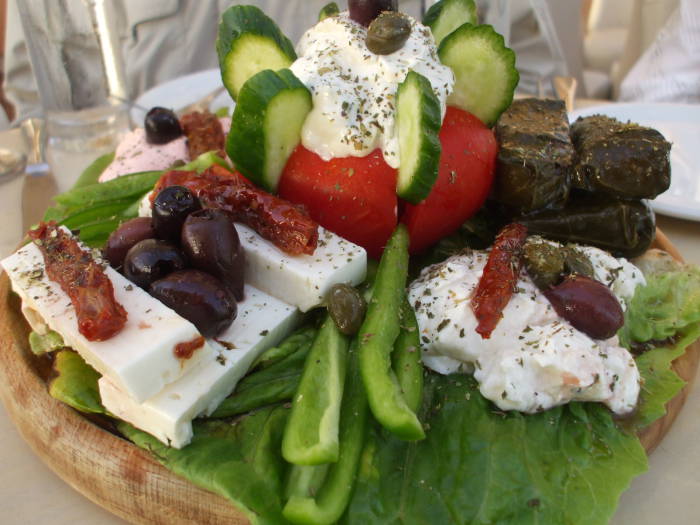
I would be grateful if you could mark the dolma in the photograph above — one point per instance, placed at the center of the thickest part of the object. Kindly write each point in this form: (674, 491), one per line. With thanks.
(622, 159)
(624, 228)
(535, 155)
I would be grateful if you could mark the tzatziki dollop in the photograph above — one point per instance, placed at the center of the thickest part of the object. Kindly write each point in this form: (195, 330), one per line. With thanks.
(354, 90)
(534, 359)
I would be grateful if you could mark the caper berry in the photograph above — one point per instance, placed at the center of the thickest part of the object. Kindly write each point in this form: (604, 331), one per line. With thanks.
(346, 307)
(575, 261)
(388, 33)
(544, 263)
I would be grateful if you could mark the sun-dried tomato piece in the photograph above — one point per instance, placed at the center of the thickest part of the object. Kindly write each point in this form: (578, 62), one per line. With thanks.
(204, 133)
(83, 279)
(286, 225)
(499, 278)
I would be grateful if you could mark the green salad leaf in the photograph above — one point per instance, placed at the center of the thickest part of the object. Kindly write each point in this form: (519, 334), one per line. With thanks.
(481, 465)
(75, 383)
(44, 343)
(665, 307)
(240, 460)
(92, 173)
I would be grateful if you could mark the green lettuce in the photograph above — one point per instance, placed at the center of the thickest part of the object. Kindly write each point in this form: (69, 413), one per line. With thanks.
(481, 465)
(75, 383)
(240, 460)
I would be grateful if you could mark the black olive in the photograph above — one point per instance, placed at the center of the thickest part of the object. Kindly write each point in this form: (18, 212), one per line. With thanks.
(152, 259)
(588, 305)
(346, 307)
(388, 33)
(161, 125)
(210, 241)
(364, 11)
(198, 297)
(124, 237)
(170, 209)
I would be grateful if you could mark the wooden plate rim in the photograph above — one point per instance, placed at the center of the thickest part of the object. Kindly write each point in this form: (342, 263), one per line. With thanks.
(127, 481)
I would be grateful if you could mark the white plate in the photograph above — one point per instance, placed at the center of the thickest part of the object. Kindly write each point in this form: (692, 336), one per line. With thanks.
(181, 91)
(680, 124)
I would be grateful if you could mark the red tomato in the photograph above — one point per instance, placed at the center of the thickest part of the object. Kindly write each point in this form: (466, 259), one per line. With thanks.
(354, 197)
(466, 172)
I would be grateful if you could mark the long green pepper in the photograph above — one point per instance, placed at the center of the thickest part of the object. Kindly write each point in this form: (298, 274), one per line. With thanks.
(311, 434)
(318, 495)
(377, 337)
(406, 358)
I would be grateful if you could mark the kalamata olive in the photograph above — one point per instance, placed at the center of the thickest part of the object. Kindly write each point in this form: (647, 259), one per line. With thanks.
(575, 261)
(210, 242)
(124, 237)
(161, 125)
(346, 307)
(388, 33)
(152, 259)
(588, 305)
(364, 11)
(544, 263)
(170, 209)
(198, 297)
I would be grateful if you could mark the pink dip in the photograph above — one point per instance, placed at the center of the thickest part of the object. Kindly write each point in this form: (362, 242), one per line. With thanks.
(134, 154)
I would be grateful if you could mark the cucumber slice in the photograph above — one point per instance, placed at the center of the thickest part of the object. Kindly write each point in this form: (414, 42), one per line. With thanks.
(418, 121)
(266, 125)
(484, 69)
(249, 41)
(330, 9)
(445, 16)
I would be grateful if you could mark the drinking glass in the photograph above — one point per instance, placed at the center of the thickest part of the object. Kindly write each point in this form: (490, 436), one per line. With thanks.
(78, 66)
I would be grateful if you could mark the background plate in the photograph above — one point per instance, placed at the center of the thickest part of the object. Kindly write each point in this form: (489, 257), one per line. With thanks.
(181, 91)
(680, 124)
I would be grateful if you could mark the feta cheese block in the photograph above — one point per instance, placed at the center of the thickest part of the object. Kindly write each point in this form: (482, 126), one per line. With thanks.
(141, 358)
(262, 322)
(302, 280)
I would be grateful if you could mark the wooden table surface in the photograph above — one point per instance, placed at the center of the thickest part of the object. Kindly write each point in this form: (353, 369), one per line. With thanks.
(31, 494)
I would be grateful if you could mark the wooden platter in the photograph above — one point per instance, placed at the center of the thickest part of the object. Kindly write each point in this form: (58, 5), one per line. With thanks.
(126, 480)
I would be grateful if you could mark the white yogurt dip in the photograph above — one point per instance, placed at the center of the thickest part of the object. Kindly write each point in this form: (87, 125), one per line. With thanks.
(534, 359)
(354, 89)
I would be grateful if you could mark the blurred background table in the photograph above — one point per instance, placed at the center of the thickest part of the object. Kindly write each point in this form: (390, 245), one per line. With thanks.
(31, 494)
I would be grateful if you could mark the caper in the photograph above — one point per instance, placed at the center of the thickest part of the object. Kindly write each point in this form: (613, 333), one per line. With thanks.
(388, 33)
(346, 307)
(544, 263)
(576, 262)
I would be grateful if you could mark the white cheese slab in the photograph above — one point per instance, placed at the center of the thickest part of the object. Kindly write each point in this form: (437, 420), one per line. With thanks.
(140, 359)
(302, 280)
(262, 322)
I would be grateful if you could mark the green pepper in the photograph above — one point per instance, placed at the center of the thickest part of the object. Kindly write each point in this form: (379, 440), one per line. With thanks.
(318, 495)
(311, 434)
(406, 358)
(287, 347)
(271, 384)
(377, 337)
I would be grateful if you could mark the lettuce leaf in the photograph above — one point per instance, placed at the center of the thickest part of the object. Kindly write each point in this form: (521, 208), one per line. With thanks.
(665, 307)
(481, 465)
(75, 383)
(240, 461)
